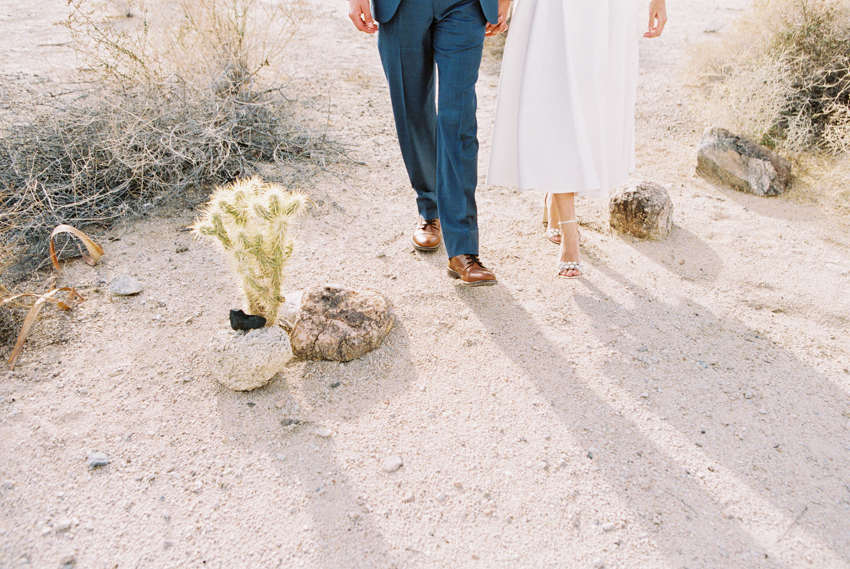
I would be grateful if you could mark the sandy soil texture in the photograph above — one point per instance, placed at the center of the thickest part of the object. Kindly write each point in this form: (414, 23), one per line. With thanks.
(685, 405)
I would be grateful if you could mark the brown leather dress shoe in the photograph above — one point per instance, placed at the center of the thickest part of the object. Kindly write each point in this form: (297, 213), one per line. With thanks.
(427, 236)
(470, 271)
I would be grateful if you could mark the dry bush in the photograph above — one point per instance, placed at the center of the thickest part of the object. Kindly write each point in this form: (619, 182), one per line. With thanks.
(181, 97)
(783, 75)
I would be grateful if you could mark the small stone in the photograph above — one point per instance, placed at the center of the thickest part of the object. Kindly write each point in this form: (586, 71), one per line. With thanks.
(609, 526)
(598, 564)
(323, 432)
(408, 498)
(748, 395)
(124, 285)
(740, 163)
(644, 395)
(392, 463)
(67, 560)
(288, 311)
(441, 497)
(96, 459)
(8, 484)
(62, 525)
(643, 210)
(181, 248)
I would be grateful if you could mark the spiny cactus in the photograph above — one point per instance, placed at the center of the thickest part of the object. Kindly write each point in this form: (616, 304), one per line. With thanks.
(250, 219)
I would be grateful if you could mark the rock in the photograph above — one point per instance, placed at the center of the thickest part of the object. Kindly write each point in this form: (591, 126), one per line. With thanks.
(441, 497)
(247, 360)
(392, 463)
(8, 484)
(288, 311)
(67, 559)
(742, 164)
(124, 285)
(610, 526)
(323, 432)
(62, 525)
(97, 459)
(241, 321)
(338, 324)
(408, 498)
(643, 210)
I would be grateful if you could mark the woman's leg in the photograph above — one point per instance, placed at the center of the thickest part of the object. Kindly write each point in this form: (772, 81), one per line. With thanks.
(565, 213)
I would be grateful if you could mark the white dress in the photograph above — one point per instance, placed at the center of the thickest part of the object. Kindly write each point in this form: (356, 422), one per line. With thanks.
(565, 114)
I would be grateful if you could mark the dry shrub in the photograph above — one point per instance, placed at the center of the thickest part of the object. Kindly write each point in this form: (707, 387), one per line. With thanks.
(176, 98)
(783, 75)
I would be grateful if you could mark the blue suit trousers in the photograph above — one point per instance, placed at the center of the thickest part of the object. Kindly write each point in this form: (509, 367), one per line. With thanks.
(431, 52)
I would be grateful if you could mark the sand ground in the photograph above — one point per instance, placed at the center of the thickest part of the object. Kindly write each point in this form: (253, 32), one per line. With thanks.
(685, 405)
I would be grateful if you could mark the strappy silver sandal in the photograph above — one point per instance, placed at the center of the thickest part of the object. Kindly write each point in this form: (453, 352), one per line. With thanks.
(553, 234)
(564, 266)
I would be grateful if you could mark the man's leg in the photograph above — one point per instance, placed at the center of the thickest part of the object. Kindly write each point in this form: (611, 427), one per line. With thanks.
(407, 55)
(458, 39)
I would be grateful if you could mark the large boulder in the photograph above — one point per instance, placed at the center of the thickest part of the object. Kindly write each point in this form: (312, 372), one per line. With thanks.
(643, 210)
(244, 361)
(742, 164)
(338, 324)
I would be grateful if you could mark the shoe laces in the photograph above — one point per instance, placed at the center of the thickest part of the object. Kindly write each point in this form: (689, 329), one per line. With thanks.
(473, 259)
(432, 222)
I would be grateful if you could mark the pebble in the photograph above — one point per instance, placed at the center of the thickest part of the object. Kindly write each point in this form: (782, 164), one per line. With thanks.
(408, 498)
(610, 526)
(645, 395)
(323, 432)
(599, 564)
(392, 463)
(62, 525)
(67, 560)
(748, 395)
(124, 285)
(702, 364)
(96, 459)
(8, 484)
(441, 497)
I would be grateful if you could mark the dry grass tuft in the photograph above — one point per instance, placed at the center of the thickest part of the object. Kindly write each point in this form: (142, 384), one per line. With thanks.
(782, 76)
(173, 100)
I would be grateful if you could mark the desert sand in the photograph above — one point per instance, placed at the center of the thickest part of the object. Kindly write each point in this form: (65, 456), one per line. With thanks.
(684, 405)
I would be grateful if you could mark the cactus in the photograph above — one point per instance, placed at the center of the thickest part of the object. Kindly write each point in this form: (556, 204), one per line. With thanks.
(250, 220)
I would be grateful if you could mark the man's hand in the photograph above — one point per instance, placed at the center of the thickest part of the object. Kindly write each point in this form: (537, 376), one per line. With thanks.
(361, 14)
(502, 24)
(657, 18)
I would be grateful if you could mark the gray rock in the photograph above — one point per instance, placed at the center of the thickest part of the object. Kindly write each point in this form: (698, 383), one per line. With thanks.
(339, 324)
(124, 285)
(288, 311)
(392, 463)
(643, 210)
(96, 459)
(243, 361)
(742, 164)
(67, 559)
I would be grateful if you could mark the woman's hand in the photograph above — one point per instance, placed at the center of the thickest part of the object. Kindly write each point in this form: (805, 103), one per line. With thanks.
(502, 24)
(657, 18)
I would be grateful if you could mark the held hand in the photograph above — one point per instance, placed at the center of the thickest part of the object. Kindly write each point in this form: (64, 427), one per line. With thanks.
(502, 24)
(361, 14)
(657, 18)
